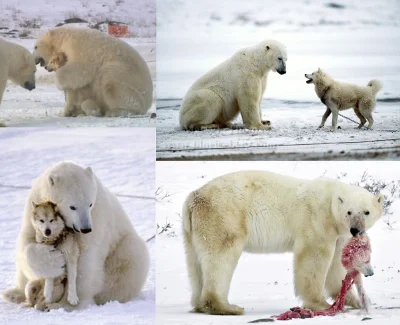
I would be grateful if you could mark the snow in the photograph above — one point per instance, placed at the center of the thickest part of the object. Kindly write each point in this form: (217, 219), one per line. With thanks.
(44, 105)
(355, 44)
(123, 159)
(263, 284)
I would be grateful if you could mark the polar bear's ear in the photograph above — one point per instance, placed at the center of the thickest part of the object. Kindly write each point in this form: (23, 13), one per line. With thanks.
(381, 198)
(34, 204)
(53, 179)
(340, 199)
(319, 69)
(89, 171)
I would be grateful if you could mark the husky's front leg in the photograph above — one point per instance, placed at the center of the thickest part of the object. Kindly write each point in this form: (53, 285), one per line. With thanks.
(48, 290)
(325, 117)
(335, 114)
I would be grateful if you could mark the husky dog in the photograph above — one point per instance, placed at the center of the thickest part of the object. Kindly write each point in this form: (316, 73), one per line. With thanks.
(338, 96)
(50, 230)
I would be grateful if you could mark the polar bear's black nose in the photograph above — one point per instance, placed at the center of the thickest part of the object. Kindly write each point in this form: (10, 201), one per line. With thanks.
(47, 232)
(85, 231)
(354, 231)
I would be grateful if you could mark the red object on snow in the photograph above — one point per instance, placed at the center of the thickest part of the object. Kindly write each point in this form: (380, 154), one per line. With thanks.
(356, 257)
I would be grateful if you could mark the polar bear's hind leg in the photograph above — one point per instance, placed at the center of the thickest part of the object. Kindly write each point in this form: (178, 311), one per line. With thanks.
(202, 109)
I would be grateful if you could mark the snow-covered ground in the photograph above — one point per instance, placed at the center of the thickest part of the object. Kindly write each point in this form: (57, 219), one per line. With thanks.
(263, 284)
(123, 159)
(23, 21)
(355, 44)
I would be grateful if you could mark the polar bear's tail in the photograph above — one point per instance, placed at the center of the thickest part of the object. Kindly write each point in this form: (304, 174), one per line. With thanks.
(15, 295)
(375, 85)
(187, 215)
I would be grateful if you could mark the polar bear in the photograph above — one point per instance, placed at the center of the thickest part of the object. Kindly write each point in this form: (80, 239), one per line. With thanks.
(114, 260)
(116, 75)
(236, 85)
(16, 64)
(263, 212)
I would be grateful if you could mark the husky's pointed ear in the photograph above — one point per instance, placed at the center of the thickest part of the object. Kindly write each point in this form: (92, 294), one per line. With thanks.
(34, 204)
(89, 171)
(340, 199)
(381, 198)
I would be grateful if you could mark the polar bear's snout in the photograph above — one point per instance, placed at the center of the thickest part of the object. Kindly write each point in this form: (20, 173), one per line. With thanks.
(40, 60)
(354, 231)
(29, 85)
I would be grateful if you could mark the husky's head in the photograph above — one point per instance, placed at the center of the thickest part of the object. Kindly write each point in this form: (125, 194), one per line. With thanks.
(47, 221)
(313, 77)
(356, 255)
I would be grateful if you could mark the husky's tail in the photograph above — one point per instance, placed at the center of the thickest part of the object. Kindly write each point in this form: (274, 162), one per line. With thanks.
(14, 295)
(375, 85)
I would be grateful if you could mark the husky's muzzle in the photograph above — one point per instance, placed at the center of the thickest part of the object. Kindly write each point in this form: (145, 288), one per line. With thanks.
(309, 80)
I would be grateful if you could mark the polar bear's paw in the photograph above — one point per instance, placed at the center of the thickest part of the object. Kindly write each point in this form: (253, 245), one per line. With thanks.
(215, 307)
(261, 127)
(73, 298)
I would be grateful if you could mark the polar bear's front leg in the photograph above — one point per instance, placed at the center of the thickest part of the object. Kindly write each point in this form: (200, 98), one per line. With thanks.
(71, 107)
(311, 264)
(90, 280)
(248, 101)
(44, 260)
(74, 75)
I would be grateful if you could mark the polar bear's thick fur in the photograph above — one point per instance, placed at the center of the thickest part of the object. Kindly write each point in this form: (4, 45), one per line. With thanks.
(236, 85)
(263, 212)
(16, 64)
(114, 260)
(116, 76)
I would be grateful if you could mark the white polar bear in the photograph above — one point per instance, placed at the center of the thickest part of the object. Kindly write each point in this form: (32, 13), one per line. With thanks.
(109, 75)
(114, 260)
(236, 85)
(262, 212)
(16, 64)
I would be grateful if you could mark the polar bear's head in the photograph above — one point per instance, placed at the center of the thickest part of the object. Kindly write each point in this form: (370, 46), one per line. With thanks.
(73, 189)
(23, 73)
(274, 54)
(356, 209)
(45, 48)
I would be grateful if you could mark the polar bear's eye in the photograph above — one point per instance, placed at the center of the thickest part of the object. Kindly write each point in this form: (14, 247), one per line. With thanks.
(72, 208)
(35, 47)
(42, 221)
(366, 213)
(51, 220)
(349, 213)
(91, 204)
(280, 59)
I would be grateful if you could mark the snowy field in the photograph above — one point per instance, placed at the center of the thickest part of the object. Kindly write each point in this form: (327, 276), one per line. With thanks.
(123, 161)
(23, 21)
(355, 44)
(263, 284)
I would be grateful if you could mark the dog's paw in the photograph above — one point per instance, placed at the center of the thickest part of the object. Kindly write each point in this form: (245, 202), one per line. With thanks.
(73, 299)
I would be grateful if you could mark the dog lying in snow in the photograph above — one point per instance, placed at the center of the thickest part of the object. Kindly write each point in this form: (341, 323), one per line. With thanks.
(338, 96)
(356, 256)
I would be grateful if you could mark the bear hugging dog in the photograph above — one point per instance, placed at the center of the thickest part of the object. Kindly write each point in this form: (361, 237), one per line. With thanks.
(263, 212)
(102, 75)
(113, 262)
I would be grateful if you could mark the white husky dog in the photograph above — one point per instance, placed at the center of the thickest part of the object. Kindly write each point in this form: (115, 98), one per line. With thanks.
(338, 96)
(50, 230)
